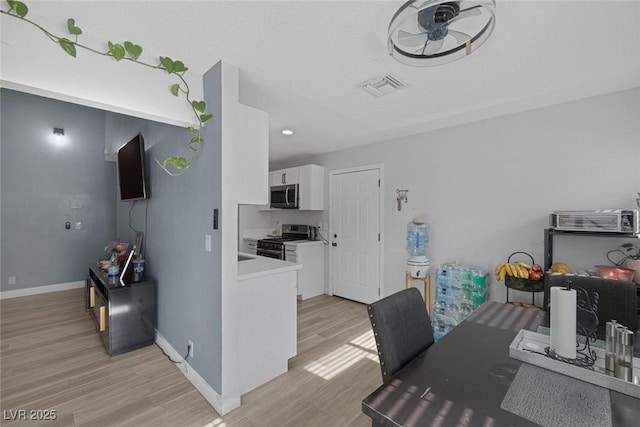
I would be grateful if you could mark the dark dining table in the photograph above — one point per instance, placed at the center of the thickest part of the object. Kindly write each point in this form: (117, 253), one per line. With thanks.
(468, 379)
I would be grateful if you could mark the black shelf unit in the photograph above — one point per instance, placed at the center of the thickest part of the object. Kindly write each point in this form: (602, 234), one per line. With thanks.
(549, 234)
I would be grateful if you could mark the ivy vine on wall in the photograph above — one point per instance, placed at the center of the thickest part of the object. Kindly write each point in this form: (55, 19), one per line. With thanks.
(129, 51)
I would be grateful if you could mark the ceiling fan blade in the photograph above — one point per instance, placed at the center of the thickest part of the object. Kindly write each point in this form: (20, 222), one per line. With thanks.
(459, 36)
(412, 40)
(475, 9)
(472, 11)
(430, 47)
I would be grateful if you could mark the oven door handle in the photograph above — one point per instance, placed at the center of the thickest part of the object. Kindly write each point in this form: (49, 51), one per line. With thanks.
(271, 253)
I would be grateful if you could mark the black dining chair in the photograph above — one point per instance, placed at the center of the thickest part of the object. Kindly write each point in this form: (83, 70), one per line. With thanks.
(402, 329)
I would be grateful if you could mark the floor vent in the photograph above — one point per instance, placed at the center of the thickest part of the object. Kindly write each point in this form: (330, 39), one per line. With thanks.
(381, 85)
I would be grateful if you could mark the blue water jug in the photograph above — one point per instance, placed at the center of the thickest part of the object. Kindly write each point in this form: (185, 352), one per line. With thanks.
(417, 237)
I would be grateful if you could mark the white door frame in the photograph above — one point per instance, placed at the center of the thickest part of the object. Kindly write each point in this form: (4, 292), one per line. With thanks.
(380, 168)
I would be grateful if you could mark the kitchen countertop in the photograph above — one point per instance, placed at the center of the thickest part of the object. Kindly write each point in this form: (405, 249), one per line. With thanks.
(262, 266)
(302, 242)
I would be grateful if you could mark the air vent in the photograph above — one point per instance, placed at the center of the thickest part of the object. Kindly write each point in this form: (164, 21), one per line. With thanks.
(382, 85)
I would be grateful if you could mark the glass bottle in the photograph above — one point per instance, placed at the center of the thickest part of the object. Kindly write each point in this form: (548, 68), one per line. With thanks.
(114, 267)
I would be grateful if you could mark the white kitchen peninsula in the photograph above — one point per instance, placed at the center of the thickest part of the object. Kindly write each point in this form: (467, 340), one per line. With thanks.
(267, 330)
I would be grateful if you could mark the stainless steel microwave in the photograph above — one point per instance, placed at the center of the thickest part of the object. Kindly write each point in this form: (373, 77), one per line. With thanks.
(284, 196)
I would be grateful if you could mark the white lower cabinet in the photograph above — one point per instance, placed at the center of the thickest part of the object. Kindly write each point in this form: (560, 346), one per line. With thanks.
(267, 328)
(311, 276)
(250, 245)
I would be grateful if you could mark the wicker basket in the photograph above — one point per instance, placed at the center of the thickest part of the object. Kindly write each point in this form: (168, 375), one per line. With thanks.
(520, 284)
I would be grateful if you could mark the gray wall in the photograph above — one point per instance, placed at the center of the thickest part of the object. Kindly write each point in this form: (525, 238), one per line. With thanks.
(119, 130)
(175, 219)
(488, 187)
(41, 182)
(43, 185)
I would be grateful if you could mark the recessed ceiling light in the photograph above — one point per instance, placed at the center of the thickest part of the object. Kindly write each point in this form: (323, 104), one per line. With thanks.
(287, 132)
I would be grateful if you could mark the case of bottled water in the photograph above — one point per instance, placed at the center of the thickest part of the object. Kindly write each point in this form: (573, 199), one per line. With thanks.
(459, 291)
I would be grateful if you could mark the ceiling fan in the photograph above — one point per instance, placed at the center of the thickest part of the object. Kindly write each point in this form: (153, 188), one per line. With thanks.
(433, 32)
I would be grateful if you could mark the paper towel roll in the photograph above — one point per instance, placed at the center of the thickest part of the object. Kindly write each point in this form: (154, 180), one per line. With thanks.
(563, 321)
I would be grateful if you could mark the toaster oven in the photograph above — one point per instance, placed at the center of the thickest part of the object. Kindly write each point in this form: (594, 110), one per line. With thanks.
(602, 220)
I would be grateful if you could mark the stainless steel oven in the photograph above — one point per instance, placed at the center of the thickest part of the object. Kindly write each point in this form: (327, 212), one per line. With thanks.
(273, 247)
(284, 196)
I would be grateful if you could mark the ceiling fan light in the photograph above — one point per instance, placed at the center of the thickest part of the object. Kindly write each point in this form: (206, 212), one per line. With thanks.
(452, 29)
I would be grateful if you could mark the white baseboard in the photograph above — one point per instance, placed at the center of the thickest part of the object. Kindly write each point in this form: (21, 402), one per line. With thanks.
(222, 404)
(41, 290)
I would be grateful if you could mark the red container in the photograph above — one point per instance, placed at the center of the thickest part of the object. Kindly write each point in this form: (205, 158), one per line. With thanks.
(615, 273)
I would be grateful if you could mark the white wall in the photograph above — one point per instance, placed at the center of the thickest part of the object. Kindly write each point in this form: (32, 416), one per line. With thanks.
(124, 87)
(488, 187)
(250, 217)
(245, 140)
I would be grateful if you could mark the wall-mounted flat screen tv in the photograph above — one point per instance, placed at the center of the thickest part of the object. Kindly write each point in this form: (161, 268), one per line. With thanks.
(131, 170)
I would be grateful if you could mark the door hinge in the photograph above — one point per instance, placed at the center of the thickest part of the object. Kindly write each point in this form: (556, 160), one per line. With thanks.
(378, 237)
(378, 183)
(378, 291)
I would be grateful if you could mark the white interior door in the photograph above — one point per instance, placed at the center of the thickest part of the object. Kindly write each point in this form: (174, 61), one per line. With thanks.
(355, 234)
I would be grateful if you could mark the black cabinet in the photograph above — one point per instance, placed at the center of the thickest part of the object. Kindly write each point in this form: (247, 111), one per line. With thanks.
(125, 315)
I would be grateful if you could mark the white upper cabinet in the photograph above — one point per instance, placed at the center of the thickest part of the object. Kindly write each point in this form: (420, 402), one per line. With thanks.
(285, 176)
(251, 135)
(311, 187)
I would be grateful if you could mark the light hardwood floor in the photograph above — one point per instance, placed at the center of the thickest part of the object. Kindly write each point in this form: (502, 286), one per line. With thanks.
(52, 358)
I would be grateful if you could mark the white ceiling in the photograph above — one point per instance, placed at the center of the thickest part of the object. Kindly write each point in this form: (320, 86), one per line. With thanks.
(301, 61)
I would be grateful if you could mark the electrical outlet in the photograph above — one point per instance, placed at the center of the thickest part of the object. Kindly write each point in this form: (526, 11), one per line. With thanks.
(190, 347)
(12, 280)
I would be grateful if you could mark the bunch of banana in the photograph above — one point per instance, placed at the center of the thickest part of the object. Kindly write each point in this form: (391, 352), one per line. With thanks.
(519, 269)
